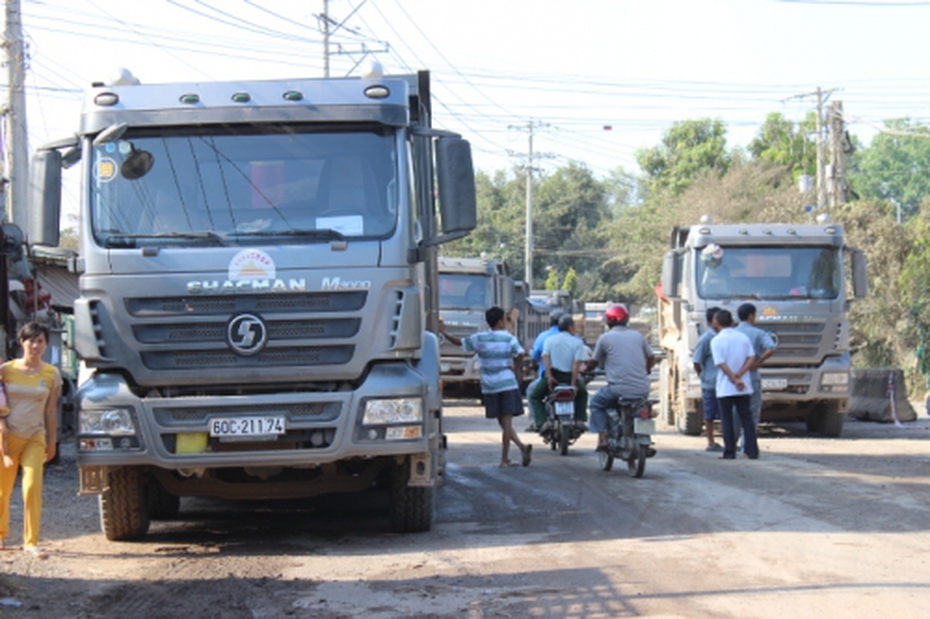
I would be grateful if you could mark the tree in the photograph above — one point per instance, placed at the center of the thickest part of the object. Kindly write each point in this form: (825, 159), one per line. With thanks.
(570, 281)
(782, 142)
(895, 167)
(688, 149)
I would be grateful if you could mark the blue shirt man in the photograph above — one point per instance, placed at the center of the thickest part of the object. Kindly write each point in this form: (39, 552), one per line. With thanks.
(703, 359)
(763, 345)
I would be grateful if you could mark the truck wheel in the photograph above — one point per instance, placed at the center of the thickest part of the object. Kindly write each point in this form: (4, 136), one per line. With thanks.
(161, 504)
(411, 507)
(690, 423)
(831, 420)
(123, 511)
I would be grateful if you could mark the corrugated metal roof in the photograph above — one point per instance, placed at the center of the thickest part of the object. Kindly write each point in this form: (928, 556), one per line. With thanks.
(56, 279)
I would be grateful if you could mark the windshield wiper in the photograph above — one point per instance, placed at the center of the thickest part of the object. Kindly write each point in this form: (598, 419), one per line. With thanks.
(129, 240)
(323, 234)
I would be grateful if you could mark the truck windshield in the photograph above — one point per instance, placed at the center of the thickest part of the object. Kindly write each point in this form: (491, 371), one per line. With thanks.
(243, 185)
(771, 273)
(463, 292)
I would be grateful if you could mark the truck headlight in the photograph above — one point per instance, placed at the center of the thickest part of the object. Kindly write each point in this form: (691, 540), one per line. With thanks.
(110, 422)
(401, 410)
(835, 378)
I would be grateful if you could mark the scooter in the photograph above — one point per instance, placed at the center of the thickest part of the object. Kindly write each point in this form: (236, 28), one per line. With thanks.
(630, 426)
(560, 430)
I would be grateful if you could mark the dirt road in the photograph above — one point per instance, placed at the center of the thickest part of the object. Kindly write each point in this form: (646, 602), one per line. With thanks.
(815, 528)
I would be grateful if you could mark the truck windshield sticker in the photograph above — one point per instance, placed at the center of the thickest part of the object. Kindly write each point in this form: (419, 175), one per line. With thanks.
(105, 170)
(348, 225)
(251, 264)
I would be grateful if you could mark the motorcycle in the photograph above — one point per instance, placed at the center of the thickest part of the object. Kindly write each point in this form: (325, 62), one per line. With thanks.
(630, 426)
(560, 429)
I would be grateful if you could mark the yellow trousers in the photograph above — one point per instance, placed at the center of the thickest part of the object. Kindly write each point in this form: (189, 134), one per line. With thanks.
(28, 453)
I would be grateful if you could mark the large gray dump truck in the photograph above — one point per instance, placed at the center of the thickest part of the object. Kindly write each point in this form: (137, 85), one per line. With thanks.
(258, 301)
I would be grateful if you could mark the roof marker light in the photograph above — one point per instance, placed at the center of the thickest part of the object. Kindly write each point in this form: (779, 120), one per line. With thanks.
(377, 92)
(241, 97)
(293, 95)
(189, 98)
(106, 98)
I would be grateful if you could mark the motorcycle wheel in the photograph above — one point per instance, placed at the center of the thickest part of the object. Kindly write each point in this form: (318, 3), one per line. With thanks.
(565, 435)
(605, 460)
(636, 464)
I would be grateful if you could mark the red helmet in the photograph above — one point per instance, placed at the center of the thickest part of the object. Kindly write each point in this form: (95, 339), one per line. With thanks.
(617, 313)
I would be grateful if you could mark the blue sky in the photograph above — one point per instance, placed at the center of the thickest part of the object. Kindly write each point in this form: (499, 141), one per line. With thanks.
(571, 68)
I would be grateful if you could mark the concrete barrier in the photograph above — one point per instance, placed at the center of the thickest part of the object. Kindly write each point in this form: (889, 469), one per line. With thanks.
(871, 400)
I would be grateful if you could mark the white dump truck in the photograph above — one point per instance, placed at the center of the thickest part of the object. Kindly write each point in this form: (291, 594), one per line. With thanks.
(796, 276)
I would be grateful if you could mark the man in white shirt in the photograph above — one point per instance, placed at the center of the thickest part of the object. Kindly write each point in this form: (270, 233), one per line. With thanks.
(734, 356)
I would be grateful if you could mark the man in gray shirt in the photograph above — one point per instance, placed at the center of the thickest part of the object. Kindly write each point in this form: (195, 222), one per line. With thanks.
(763, 345)
(563, 356)
(627, 359)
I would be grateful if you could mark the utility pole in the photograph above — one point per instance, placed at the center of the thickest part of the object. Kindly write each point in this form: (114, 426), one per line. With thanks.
(821, 96)
(821, 186)
(16, 149)
(325, 38)
(529, 210)
(329, 26)
(837, 131)
(530, 128)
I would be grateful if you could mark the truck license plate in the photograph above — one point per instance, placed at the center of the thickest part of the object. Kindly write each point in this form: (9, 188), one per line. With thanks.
(226, 427)
(774, 384)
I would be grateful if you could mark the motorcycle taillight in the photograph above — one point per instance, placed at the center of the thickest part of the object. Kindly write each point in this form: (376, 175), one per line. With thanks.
(645, 413)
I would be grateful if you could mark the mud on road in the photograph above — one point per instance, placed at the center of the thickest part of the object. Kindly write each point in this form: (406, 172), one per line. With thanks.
(816, 527)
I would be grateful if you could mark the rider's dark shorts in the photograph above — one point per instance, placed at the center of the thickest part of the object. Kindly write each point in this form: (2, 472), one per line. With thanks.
(496, 405)
(711, 412)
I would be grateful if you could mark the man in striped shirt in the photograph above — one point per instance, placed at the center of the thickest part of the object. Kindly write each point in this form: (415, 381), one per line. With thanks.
(498, 351)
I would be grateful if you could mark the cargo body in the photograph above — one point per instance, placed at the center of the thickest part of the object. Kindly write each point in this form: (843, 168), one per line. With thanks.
(257, 268)
(795, 275)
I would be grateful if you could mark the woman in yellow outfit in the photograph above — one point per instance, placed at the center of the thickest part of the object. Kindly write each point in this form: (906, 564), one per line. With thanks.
(29, 429)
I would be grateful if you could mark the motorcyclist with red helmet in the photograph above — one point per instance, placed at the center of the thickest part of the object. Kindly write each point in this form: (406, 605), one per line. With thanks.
(627, 360)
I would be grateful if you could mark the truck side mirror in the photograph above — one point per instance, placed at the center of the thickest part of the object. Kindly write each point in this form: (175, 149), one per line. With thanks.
(860, 276)
(671, 274)
(457, 196)
(45, 198)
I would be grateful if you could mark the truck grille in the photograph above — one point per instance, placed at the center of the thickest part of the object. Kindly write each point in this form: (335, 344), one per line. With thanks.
(796, 340)
(183, 333)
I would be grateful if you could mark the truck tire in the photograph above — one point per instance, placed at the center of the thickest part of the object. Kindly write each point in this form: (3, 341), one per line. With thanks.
(123, 511)
(690, 423)
(831, 421)
(411, 507)
(161, 504)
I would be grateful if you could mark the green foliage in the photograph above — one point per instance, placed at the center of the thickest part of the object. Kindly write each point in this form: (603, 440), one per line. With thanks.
(895, 167)
(552, 281)
(782, 142)
(571, 280)
(689, 149)
(915, 291)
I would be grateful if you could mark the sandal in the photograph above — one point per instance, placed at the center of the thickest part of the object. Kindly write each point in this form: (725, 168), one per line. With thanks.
(527, 455)
(507, 464)
(36, 552)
